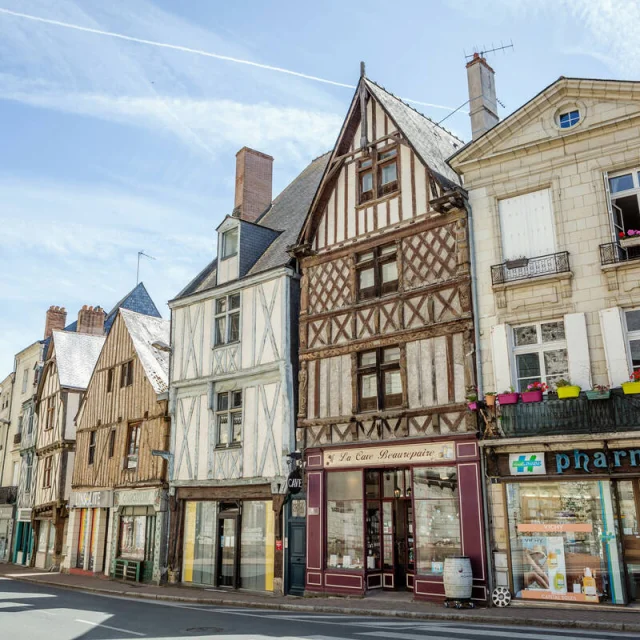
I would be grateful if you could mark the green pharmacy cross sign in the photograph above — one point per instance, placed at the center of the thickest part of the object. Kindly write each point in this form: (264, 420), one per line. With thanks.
(527, 464)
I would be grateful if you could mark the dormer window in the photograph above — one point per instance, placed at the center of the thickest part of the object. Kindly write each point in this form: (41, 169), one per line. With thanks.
(229, 243)
(378, 175)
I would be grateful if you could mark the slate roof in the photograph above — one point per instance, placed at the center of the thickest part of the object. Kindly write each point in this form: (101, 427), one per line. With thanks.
(286, 215)
(430, 141)
(144, 331)
(76, 357)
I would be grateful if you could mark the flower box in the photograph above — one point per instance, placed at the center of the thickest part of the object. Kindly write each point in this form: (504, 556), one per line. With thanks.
(598, 395)
(490, 400)
(532, 396)
(508, 398)
(570, 391)
(473, 406)
(633, 241)
(630, 388)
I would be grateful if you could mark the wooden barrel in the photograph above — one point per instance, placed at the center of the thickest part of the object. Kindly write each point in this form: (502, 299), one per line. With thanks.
(458, 578)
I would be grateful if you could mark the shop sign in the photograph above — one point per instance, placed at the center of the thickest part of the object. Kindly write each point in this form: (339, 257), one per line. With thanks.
(390, 455)
(528, 464)
(91, 499)
(6, 512)
(590, 461)
(24, 515)
(294, 482)
(137, 498)
(278, 545)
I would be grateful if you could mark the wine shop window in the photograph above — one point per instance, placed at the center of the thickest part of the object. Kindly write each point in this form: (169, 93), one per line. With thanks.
(378, 174)
(540, 353)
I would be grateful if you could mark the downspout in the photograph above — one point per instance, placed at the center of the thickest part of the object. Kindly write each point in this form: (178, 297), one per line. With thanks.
(476, 339)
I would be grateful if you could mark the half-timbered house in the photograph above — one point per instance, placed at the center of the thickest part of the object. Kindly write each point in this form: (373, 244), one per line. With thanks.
(118, 503)
(386, 359)
(233, 369)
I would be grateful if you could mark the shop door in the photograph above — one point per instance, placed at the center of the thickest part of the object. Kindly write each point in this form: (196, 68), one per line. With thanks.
(297, 549)
(82, 532)
(629, 501)
(228, 552)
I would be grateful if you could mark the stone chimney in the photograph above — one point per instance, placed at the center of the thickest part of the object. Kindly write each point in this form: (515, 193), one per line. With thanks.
(483, 108)
(55, 320)
(254, 172)
(91, 321)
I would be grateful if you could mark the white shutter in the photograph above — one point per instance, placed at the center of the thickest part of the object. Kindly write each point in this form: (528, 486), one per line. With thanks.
(615, 347)
(575, 328)
(501, 357)
(526, 225)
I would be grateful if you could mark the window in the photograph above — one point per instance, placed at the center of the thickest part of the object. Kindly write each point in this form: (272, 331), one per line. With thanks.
(112, 442)
(20, 421)
(540, 352)
(377, 272)
(126, 374)
(227, 320)
(30, 422)
(378, 175)
(624, 188)
(133, 532)
(92, 446)
(569, 119)
(345, 520)
(51, 405)
(379, 379)
(133, 445)
(632, 321)
(437, 516)
(46, 474)
(15, 474)
(25, 380)
(110, 374)
(28, 472)
(229, 418)
(229, 243)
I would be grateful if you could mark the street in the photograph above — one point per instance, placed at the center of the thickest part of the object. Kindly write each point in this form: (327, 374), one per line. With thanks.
(32, 612)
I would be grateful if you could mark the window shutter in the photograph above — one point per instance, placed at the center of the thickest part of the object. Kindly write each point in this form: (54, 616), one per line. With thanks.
(575, 328)
(615, 348)
(501, 357)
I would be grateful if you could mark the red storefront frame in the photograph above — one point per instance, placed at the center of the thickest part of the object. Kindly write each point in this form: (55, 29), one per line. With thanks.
(425, 587)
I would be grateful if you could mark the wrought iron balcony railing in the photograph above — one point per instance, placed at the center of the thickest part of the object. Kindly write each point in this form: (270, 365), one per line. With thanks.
(580, 415)
(613, 252)
(526, 268)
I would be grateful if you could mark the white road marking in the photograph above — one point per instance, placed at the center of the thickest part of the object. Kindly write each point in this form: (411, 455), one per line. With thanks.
(27, 575)
(7, 604)
(106, 626)
(468, 634)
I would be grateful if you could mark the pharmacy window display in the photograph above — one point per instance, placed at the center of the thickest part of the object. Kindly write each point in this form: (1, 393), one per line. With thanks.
(564, 543)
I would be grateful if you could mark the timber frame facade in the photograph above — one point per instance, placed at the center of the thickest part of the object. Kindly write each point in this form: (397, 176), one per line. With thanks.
(119, 489)
(386, 355)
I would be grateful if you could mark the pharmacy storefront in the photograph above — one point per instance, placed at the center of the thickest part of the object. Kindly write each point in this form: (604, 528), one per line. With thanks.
(569, 520)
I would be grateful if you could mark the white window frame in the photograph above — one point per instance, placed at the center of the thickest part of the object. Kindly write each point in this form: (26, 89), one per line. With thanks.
(635, 176)
(223, 244)
(226, 314)
(629, 336)
(539, 347)
(229, 412)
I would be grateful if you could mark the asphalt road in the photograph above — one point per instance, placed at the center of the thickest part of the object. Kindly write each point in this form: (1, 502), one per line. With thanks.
(33, 612)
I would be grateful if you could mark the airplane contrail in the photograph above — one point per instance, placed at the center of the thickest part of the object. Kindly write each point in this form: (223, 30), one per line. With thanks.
(199, 52)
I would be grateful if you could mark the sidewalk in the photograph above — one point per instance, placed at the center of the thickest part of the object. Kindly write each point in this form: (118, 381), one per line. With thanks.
(387, 604)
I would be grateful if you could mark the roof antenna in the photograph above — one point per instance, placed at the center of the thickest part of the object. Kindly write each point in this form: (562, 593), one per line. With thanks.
(140, 254)
(502, 47)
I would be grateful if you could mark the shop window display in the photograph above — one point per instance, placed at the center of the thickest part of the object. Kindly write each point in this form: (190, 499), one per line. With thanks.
(437, 517)
(199, 542)
(345, 520)
(564, 543)
(257, 546)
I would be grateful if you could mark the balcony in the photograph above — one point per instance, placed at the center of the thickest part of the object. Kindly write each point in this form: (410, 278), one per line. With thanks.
(565, 417)
(528, 268)
(614, 253)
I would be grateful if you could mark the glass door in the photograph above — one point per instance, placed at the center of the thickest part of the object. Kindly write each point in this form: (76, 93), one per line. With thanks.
(629, 502)
(228, 551)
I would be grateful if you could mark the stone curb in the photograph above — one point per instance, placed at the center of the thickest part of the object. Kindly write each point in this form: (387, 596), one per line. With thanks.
(395, 613)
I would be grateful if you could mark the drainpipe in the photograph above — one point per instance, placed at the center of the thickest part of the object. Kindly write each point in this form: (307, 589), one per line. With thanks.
(479, 384)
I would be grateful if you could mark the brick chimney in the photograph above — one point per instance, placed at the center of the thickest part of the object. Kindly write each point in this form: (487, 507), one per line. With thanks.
(91, 321)
(254, 172)
(483, 108)
(55, 320)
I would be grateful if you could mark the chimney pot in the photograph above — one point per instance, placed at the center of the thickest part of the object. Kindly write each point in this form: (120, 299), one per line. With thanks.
(55, 319)
(254, 173)
(483, 108)
(91, 320)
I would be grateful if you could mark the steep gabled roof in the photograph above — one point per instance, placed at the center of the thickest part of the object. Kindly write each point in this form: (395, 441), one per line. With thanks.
(145, 331)
(76, 357)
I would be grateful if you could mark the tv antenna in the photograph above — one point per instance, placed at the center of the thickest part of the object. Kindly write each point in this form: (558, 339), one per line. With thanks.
(140, 254)
(492, 49)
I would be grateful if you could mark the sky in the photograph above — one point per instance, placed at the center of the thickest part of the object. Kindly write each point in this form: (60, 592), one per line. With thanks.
(110, 146)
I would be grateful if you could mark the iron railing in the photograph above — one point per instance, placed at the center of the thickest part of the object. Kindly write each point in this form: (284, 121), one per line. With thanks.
(525, 268)
(576, 415)
(613, 252)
